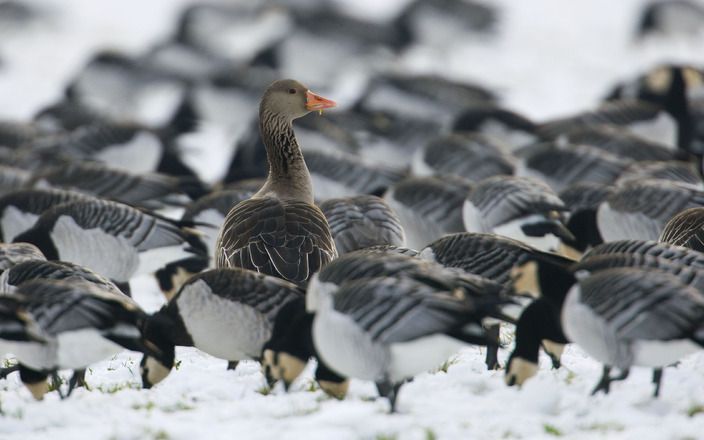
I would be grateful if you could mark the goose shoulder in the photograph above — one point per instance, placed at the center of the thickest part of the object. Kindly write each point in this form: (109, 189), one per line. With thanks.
(284, 238)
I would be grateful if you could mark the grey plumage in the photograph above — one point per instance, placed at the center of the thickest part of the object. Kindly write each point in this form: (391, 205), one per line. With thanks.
(362, 221)
(685, 229)
(15, 253)
(26, 271)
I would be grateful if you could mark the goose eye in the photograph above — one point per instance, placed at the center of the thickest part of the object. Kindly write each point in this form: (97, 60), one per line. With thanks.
(292, 91)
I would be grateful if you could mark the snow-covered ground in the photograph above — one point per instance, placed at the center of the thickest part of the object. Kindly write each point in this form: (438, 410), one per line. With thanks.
(551, 57)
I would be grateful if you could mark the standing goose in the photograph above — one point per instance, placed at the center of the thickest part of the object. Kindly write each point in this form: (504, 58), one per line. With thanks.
(279, 231)
(115, 240)
(517, 207)
(227, 313)
(362, 221)
(79, 324)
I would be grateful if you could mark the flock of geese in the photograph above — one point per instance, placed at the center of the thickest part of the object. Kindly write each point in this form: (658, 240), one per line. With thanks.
(421, 219)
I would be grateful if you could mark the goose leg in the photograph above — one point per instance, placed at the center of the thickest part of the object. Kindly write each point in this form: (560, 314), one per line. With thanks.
(604, 382)
(56, 383)
(492, 350)
(231, 365)
(78, 379)
(7, 370)
(657, 379)
(390, 391)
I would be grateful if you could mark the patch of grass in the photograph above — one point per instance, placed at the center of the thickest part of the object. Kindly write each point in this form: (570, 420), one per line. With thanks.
(605, 427)
(552, 430)
(430, 434)
(570, 377)
(116, 387)
(386, 437)
(53, 386)
(176, 407)
(695, 409)
(312, 386)
(177, 364)
(447, 364)
(146, 406)
(264, 390)
(160, 435)
(7, 363)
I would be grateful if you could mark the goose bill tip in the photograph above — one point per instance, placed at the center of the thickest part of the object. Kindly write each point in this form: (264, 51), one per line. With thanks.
(317, 102)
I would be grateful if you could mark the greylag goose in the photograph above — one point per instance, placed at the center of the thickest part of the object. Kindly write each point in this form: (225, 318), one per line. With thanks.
(517, 207)
(428, 207)
(227, 313)
(67, 325)
(685, 229)
(361, 222)
(279, 231)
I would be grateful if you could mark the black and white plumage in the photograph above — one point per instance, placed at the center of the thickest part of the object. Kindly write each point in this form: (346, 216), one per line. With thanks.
(488, 255)
(582, 201)
(428, 207)
(640, 209)
(389, 329)
(150, 190)
(645, 119)
(677, 171)
(113, 239)
(19, 210)
(677, 254)
(80, 323)
(15, 253)
(342, 175)
(227, 313)
(667, 17)
(685, 229)
(361, 222)
(627, 317)
(621, 142)
(517, 207)
(208, 212)
(562, 164)
(470, 156)
(39, 269)
(510, 129)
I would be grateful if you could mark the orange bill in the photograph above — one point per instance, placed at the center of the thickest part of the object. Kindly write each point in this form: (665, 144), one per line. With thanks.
(317, 102)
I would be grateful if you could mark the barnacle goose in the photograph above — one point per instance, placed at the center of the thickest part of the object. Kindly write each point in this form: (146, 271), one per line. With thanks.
(582, 201)
(361, 222)
(521, 208)
(428, 207)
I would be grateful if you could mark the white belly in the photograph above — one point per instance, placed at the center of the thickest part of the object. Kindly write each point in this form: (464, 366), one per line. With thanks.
(421, 355)
(80, 348)
(662, 353)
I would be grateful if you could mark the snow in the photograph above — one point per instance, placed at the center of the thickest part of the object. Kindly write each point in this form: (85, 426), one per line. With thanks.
(549, 58)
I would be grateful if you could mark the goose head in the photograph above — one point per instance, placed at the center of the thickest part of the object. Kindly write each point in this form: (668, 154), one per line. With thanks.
(291, 99)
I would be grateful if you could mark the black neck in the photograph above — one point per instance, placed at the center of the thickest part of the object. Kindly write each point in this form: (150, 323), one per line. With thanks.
(539, 321)
(555, 277)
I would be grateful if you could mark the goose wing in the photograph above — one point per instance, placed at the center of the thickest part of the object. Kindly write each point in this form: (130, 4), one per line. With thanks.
(287, 239)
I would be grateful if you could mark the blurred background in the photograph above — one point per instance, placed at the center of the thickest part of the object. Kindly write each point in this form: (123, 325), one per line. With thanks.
(152, 61)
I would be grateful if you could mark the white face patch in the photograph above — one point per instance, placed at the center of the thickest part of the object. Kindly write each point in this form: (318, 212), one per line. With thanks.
(156, 372)
(519, 371)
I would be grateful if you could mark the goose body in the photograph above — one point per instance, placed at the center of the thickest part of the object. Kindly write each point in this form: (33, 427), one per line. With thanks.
(640, 209)
(361, 222)
(428, 207)
(227, 313)
(510, 129)
(517, 207)
(15, 253)
(279, 231)
(80, 323)
(113, 239)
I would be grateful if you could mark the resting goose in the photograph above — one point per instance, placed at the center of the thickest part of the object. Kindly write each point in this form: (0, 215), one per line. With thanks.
(227, 313)
(362, 221)
(71, 325)
(639, 209)
(470, 156)
(279, 231)
(113, 239)
(677, 171)
(389, 329)
(517, 207)
(428, 207)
